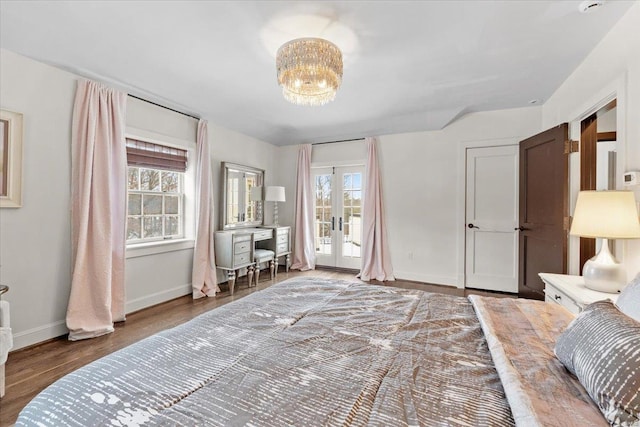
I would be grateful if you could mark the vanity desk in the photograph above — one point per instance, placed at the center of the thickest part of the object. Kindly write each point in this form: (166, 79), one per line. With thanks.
(234, 249)
(242, 229)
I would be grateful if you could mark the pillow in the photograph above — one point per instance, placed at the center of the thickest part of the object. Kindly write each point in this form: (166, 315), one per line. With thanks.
(629, 300)
(602, 348)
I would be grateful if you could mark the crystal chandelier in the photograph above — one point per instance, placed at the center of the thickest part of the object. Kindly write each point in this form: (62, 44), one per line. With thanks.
(309, 71)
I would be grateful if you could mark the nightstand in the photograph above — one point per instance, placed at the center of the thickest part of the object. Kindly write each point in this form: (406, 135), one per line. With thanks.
(570, 292)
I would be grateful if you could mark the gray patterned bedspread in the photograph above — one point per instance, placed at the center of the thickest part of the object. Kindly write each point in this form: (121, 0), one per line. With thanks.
(304, 352)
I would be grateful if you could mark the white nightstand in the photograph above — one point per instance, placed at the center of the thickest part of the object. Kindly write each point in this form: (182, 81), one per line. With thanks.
(570, 292)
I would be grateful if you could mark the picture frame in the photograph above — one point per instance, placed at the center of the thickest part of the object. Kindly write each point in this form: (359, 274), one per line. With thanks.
(10, 159)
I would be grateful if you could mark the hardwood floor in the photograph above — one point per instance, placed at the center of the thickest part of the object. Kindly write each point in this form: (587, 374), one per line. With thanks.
(30, 370)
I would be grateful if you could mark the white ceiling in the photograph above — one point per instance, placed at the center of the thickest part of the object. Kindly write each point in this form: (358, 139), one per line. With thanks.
(409, 65)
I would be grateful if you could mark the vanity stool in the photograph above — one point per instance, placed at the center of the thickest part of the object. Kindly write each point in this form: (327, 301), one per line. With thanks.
(263, 255)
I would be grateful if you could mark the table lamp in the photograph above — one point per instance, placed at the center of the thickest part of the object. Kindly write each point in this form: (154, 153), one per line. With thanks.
(606, 215)
(275, 194)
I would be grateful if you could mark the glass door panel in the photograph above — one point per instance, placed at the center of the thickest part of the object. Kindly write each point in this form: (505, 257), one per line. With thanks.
(350, 220)
(324, 220)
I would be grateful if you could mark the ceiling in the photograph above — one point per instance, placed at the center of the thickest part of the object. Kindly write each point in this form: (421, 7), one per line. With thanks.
(409, 65)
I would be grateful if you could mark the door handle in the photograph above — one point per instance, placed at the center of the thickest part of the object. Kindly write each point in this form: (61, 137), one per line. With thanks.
(520, 229)
(340, 223)
(333, 223)
(473, 226)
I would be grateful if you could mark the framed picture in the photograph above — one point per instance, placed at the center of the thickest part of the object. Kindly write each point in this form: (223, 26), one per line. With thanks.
(10, 159)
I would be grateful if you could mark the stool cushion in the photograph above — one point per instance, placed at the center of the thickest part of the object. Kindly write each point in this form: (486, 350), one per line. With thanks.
(263, 255)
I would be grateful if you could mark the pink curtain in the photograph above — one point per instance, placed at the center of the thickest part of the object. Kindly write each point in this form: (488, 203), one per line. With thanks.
(203, 275)
(304, 253)
(376, 258)
(98, 210)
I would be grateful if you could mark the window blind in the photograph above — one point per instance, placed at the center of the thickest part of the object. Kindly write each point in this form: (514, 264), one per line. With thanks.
(155, 156)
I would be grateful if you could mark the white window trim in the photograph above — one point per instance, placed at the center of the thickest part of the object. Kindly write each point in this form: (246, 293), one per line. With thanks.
(158, 247)
(180, 194)
(134, 250)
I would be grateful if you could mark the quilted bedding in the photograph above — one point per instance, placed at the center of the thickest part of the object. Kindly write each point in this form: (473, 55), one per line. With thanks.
(303, 352)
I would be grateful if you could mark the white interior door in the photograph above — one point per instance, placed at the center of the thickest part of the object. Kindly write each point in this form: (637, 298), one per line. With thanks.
(338, 220)
(492, 218)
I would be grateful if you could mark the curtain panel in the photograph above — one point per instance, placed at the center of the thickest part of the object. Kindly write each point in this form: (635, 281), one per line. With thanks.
(98, 210)
(304, 253)
(376, 258)
(203, 274)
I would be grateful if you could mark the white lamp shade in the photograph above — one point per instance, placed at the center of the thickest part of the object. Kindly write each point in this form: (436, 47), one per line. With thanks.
(256, 194)
(606, 214)
(274, 194)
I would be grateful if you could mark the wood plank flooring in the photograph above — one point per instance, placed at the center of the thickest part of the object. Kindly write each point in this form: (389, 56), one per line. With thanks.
(30, 370)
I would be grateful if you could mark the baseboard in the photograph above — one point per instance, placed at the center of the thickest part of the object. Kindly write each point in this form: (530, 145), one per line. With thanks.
(427, 278)
(39, 334)
(157, 298)
(52, 330)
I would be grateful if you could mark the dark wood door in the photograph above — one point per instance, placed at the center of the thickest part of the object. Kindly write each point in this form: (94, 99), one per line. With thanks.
(588, 154)
(544, 186)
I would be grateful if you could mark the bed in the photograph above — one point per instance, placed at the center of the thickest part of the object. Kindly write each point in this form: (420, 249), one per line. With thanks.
(311, 351)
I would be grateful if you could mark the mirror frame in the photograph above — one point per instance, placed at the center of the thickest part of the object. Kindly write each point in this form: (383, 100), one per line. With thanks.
(223, 214)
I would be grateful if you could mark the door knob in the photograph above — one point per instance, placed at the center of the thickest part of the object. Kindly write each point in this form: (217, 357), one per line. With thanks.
(473, 226)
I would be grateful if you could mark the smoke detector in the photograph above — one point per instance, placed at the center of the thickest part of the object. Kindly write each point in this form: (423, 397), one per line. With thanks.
(589, 6)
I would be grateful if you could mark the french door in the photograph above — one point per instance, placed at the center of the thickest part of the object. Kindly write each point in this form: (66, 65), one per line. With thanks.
(338, 215)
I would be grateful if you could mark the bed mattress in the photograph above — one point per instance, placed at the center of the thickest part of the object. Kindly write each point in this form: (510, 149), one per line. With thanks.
(306, 351)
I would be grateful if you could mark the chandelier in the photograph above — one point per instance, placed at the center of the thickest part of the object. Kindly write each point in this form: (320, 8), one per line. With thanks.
(309, 71)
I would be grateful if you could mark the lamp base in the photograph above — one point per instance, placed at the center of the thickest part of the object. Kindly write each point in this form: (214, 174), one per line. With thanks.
(603, 273)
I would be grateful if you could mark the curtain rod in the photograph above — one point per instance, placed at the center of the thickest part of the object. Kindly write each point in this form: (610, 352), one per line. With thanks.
(341, 140)
(162, 106)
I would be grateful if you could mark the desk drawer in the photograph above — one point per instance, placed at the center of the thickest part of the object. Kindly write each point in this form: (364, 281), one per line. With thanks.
(283, 238)
(282, 247)
(282, 230)
(240, 259)
(262, 235)
(242, 247)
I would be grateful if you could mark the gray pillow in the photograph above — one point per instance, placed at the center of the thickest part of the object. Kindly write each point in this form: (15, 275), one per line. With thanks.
(602, 348)
(629, 300)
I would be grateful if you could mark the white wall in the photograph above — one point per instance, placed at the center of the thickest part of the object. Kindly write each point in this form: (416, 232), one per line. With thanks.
(35, 254)
(612, 67)
(152, 277)
(35, 243)
(421, 187)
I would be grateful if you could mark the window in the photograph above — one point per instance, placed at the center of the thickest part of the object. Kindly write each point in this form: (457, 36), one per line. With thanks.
(155, 184)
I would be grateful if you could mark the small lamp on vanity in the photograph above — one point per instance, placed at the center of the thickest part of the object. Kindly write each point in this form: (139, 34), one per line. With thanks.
(606, 215)
(275, 195)
(256, 196)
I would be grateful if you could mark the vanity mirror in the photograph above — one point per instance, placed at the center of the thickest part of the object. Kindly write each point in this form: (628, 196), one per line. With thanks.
(238, 208)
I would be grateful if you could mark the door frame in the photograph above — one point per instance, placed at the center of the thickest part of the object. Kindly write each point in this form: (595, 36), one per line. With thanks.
(341, 164)
(462, 196)
(615, 89)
